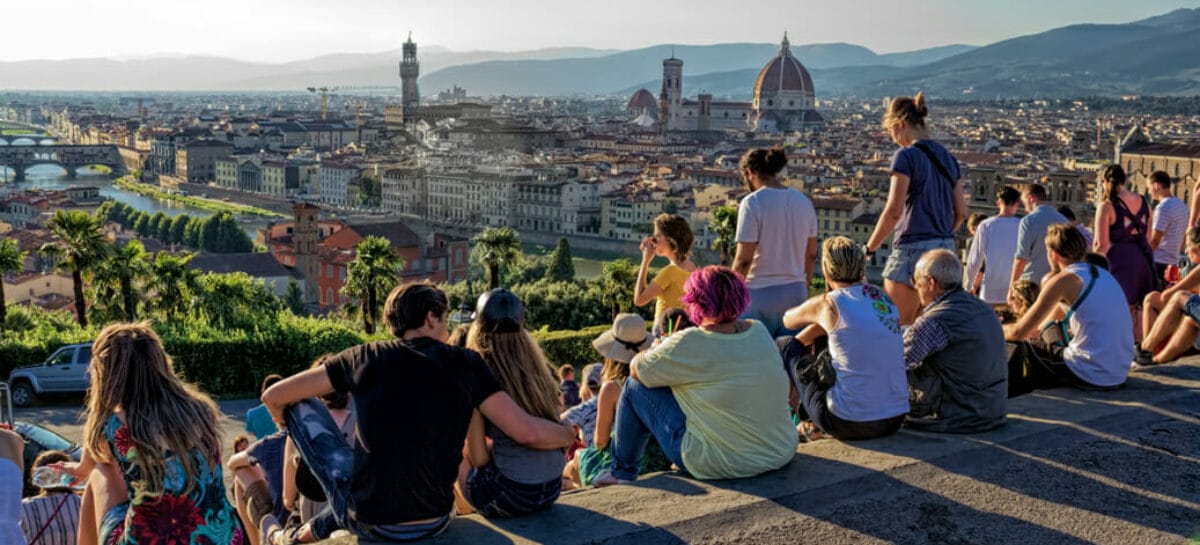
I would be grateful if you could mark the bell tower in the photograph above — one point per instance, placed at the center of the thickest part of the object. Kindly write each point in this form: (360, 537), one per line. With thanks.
(305, 236)
(409, 70)
(670, 99)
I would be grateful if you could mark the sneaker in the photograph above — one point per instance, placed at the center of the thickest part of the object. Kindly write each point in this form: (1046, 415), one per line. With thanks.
(606, 478)
(266, 527)
(1144, 358)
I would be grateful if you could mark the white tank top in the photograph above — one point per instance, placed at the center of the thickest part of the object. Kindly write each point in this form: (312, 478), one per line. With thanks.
(10, 503)
(1101, 347)
(868, 355)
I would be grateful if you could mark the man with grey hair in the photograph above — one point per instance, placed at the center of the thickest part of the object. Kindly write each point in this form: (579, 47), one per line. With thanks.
(955, 353)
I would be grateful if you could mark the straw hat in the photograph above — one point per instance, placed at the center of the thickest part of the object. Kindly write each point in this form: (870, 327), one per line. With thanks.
(627, 337)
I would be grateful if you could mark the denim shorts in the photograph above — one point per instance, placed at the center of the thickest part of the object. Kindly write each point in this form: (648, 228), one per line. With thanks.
(495, 496)
(903, 261)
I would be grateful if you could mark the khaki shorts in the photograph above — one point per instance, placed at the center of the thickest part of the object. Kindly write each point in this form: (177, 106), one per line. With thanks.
(259, 502)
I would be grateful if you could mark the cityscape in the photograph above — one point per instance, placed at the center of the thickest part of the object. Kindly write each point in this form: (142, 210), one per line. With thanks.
(245, 208)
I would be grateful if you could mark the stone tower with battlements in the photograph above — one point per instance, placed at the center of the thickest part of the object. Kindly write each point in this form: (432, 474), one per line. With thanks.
(305, 236)
(410, 69)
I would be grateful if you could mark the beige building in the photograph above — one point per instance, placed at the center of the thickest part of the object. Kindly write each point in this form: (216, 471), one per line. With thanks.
(196, 161)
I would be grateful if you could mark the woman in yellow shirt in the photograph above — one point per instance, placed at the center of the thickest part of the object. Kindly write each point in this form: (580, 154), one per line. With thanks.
(673, 240)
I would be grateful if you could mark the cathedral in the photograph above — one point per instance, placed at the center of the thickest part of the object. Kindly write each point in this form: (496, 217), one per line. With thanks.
(784, 101)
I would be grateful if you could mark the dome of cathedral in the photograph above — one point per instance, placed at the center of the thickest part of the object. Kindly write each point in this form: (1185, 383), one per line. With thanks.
(783, 73)
(642, 100)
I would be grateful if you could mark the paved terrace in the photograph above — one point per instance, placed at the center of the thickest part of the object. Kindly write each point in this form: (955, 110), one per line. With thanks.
(1070, 467)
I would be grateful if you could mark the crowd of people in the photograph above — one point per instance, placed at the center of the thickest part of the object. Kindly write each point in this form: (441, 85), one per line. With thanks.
(392, 439)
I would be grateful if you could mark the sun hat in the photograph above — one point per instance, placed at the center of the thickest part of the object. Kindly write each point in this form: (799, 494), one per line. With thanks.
(627, 337)
(500, 311)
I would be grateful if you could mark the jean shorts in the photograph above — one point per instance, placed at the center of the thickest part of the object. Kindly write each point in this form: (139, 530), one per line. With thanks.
(495, 496)
(903, 261)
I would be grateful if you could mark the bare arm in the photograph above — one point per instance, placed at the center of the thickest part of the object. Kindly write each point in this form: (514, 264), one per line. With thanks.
(809, 312)
(892, 212)
(1018, 269)
(533, 432)
(1062, 287)
(1194, 215)
(744, 257)
(477, 450)
(1156, 238)
(303, 385)
(960, 205)
(289, 491)
(810, 260)
(1104, 218)
(606, 412)
(1191, 283)
(645, 291)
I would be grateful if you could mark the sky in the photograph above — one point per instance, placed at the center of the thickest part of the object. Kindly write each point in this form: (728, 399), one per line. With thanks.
(285, 30)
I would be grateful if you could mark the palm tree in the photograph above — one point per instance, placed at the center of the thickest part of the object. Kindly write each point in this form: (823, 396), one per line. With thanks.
(81, 247)
(118, 275)
(618, 278)
(173, 282)
(374, 270)
(12, 260)
(724, 225)
(496, 247)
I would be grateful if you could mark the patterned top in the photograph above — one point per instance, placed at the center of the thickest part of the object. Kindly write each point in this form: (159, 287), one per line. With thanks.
(201, 517)
(58, 513)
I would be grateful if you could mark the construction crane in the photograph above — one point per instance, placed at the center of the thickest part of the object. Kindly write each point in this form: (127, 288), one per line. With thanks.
(324, 92)
(357, 106)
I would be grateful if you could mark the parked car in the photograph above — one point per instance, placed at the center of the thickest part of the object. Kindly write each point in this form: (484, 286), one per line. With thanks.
(64, 372)
(38, 440)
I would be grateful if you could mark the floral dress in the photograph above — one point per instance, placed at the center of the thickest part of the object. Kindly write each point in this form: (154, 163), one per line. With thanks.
(201, 517)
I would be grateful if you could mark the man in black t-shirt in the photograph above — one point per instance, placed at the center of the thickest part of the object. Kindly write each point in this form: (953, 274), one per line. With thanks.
(414, 397)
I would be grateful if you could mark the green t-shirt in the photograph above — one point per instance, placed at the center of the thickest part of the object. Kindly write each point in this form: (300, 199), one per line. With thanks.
(734, 393)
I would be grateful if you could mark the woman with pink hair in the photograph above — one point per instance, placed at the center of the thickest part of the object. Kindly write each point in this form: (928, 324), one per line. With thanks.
(715, 396)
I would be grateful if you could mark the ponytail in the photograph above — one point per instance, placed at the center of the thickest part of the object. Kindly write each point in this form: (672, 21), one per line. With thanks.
(1115, 176)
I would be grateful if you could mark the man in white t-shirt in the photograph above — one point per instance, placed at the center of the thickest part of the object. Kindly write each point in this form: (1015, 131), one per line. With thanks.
(1170, 224)
(989, 261)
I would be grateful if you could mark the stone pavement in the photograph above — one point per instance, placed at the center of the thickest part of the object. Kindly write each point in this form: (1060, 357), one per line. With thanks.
(1070, 467)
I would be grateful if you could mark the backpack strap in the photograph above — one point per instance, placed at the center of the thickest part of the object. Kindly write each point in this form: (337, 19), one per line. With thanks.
(1087, 290)
(936, 162)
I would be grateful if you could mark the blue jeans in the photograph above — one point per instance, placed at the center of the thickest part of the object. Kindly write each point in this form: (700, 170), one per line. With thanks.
(495, 496)
(643, 412)
(331, 460)
(902, 263)
(768, 305)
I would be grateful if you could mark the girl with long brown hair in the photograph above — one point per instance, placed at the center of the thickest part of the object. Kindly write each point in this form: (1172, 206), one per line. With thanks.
(151, 450)
(509, 479)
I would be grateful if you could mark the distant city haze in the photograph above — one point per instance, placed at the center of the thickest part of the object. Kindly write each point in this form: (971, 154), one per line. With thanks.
(289, 30)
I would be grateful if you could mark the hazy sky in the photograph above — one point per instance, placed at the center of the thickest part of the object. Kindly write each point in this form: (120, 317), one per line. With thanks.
(280, 30)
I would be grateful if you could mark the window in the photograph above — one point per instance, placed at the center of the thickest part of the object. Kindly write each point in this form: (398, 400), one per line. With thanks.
(328, 271)
(329, 296)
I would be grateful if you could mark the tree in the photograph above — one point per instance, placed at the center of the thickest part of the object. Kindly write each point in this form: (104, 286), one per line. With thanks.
(494, 248)
(294, 298)
(12, 260)
(562, 269)
(130, 263)
(80, 248)
(724, 225)
(154, 229)
(173, 282)
(234, 300)
(374, 270)
(178, 227)
(617, 280)
(191, 233)
(141, 224)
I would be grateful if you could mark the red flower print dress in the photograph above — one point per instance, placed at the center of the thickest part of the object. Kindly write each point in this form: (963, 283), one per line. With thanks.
(201, 517)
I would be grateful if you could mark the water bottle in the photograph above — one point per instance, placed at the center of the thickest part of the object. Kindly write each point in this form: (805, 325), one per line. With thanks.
(52, 477)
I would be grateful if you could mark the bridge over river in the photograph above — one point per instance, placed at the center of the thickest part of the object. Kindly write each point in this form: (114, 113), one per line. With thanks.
(68, 157)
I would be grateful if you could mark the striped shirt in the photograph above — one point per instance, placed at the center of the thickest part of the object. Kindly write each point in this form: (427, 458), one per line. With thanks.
(1170, 217)
(38, 510)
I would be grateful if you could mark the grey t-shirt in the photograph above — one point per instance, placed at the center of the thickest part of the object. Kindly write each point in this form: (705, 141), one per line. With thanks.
(523, 464)
(1031, 241)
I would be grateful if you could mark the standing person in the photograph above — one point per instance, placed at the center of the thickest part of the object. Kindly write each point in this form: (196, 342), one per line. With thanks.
(171, 492)
(1170, 225)
(715, 396)
(11, 467)
(673, 240)
(925, 204)
(994, 246)
(52, 516)
(1123, 237)
(1100, 349)
(1073, 220)
(1030, 262)
(776, 239)
(507, 479)
(414, 396)
(258, 420)
(869, 397)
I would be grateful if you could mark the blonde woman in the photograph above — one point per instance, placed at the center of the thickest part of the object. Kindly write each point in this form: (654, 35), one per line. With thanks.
(673, 240)
(151, 451)
(509, 479)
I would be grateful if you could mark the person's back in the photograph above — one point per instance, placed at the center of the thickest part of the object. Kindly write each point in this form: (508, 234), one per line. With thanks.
(929, 207)
(997, 240)
(1101, 346)
(1170, 217)
(1031, 240)
(868, 357)
(780, 220)
(523, 464)
(413, 400)
(969, 377)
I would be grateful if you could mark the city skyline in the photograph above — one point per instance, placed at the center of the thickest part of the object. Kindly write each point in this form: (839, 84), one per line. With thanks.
(307, 28)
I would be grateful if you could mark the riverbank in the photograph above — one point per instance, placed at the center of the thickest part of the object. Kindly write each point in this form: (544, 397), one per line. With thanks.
(128, 184)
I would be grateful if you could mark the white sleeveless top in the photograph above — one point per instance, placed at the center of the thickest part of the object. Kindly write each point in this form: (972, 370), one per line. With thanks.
(868, 355)
(1101, 346)
(10, 503)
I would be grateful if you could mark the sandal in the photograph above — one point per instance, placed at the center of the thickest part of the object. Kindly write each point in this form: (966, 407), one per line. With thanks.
(809, 432)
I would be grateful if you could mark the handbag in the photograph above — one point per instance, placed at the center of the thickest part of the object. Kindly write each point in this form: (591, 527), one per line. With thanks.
(1057, 332)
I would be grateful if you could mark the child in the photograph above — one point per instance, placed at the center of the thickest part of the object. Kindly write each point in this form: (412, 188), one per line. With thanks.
(570, 390)
(583, 418)
(1024, 293)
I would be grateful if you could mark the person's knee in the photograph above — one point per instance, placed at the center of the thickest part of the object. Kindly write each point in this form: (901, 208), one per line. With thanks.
(1180, 299)
(1152, 299)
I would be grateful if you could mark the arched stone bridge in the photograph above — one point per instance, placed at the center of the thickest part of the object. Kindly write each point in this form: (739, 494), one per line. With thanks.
(37, 139)
(69, 157)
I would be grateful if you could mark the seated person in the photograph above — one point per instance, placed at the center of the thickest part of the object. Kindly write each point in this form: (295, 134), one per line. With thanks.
(1168, 335)
(568, 387)
(414, 397)
(1100, 350)
(713, 396)
(955, 353)
(1022, 294)
(52, 516)
(869, 397)
(258, 420)
(258, 482)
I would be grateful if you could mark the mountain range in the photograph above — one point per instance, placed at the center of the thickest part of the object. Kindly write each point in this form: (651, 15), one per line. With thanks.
(1158, 55)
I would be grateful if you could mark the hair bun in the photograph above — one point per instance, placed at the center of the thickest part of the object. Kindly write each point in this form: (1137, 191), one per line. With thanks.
(919, 106)
(776, 159)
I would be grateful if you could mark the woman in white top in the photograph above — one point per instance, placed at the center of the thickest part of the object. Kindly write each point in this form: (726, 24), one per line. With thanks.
(11, 467)
(869, 397)
(1101, 346)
